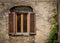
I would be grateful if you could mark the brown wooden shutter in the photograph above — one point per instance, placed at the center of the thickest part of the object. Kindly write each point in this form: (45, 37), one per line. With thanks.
(12, 23)
(32, 23)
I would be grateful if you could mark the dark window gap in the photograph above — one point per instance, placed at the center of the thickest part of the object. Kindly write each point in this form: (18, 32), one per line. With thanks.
(24, 22)
(18, 23)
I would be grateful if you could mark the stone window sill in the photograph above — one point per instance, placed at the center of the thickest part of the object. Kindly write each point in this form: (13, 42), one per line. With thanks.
(23, 34)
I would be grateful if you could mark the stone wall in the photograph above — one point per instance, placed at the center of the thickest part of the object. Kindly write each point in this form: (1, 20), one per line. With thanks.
(43, 11)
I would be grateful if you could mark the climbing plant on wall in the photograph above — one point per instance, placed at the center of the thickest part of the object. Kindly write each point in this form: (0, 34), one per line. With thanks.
(54, 30)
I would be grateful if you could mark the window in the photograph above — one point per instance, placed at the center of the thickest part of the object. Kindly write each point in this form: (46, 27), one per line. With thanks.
(21, 22)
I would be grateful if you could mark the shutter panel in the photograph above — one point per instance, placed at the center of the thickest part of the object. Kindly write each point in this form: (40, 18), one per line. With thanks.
(32, 23)
(12, 23)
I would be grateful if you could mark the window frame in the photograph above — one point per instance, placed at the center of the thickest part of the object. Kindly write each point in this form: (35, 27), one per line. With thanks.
(22, 33)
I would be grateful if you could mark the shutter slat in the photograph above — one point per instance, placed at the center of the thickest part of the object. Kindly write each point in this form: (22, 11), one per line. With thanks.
(32, 23)
(12, 24)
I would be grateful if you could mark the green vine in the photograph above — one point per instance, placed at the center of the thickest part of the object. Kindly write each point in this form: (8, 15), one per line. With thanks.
(54, 31)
